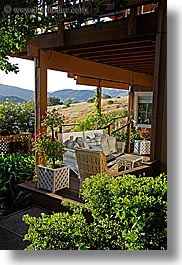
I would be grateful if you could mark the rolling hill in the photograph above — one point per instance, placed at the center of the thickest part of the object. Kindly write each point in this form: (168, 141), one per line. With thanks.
(8, 91)
(64, 94)
(13, 99)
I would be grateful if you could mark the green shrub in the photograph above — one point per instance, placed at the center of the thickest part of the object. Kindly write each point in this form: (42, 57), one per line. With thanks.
(14, 169)
(129, 213)
(90, 100)
(16, 118)
(109, 102)
(98, 120)
(106, 96)
(122, 136)
(91, 122)
(68, 103)
(58, 231)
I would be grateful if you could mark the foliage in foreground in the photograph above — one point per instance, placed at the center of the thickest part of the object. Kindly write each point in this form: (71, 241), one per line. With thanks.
(14, 169)
(129, 213)
(23, 20)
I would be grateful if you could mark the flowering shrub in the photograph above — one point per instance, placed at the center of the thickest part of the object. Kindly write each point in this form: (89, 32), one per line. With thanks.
(16, 118)
(46, 144)
(49, 148)
(144, 133)
(52, 119)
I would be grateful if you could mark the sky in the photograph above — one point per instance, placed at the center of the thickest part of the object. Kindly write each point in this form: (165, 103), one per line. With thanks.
(25, 78)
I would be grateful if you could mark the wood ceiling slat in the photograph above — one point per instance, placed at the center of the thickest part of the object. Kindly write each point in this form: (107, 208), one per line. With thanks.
(144, 70)
(149, 38)
(127, 58)
(132, 61)
(114, 47)
(133, 65)
(126, 53)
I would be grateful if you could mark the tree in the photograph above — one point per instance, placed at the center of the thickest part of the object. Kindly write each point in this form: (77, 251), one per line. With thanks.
(106, 96)
(15, 30)
(53, 101)
(68, 102)
(23, 20)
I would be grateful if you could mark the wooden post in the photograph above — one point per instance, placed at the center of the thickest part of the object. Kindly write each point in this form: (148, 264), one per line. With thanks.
(128, 139)
(61, 33)
(159, 110)
(110, 129)
(99, 95)
(130, 108)
(132, 23)
(40, 94)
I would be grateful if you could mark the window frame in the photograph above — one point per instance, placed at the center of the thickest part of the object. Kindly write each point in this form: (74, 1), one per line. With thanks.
(137, 95)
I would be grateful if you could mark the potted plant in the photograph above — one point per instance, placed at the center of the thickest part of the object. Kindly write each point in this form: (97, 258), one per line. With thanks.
(52, 174)
(142, 145)
(144, 133)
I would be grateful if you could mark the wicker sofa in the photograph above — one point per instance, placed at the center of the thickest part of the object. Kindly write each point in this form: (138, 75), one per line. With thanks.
(95, 140)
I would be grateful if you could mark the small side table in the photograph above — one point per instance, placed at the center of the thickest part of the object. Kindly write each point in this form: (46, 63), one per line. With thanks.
(129, 161)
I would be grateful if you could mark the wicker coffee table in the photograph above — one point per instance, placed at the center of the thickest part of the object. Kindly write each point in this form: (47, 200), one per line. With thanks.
(129, 161)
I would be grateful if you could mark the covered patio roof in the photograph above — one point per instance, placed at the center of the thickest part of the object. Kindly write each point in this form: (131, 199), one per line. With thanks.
(117, 53)
(125, 46)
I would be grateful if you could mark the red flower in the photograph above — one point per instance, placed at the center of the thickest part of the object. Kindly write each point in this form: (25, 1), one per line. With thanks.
(144, 133)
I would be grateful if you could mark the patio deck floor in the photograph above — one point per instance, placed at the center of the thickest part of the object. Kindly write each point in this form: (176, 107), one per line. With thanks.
(53, 201)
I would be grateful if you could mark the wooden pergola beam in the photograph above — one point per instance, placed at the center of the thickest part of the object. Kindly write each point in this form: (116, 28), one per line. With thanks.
(67, 63)
(80, 80)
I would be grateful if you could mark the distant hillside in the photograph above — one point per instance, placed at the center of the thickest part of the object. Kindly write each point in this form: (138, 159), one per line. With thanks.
(6, 90)
(84, 95)
(114, 92)
(63, 95)
(13, 99)
(74, 95)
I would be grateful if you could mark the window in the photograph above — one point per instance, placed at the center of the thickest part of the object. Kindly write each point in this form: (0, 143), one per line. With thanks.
(143, 109)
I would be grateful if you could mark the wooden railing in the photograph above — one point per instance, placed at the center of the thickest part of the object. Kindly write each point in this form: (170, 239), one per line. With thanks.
(88, 10)
(109, 127)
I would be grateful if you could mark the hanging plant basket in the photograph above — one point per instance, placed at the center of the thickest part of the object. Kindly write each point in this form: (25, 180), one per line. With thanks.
(53, 179)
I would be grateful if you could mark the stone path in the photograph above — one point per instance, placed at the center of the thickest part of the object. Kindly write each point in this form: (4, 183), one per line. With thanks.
(12, 229)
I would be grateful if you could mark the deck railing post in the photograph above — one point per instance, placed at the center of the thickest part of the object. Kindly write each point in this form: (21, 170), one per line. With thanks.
(110, 129)
(130, 107)
(40, 95)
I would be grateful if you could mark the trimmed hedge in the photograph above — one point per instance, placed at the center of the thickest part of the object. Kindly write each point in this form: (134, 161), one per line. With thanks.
(129, 213)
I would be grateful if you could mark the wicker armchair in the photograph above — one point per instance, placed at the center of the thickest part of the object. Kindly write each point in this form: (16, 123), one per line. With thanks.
(93, 162)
